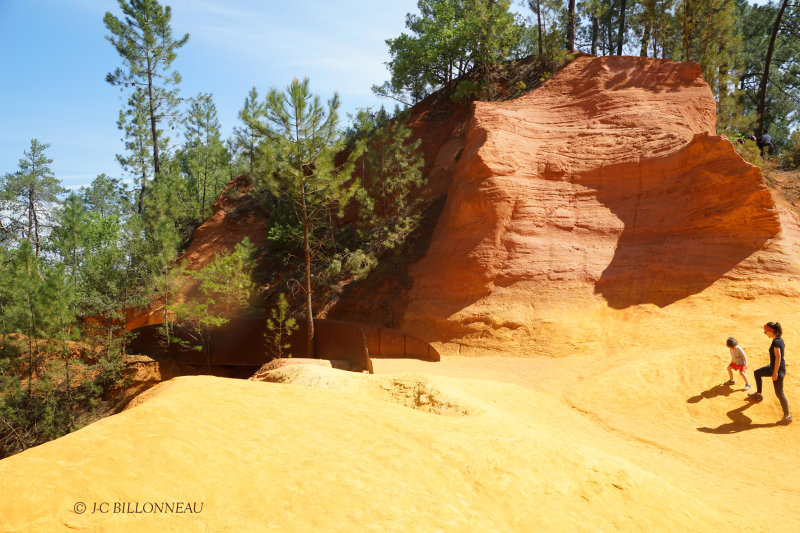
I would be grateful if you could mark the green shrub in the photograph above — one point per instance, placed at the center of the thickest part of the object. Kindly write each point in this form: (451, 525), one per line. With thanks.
(359, 263)
(466, 90)
(790, 156)
(748, 150)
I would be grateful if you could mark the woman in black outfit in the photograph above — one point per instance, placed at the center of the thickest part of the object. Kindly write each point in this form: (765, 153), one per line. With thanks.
(776, 369)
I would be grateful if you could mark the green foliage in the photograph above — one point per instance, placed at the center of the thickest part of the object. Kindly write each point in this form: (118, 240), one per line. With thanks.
(27, 193)
(549, 27)
(749, 151)
(134, 122)
(466, 90)
(448, 39)
(53, 408)
(67, 235)
(204, 157)
(145, 44)
(247, 138)
(280, 326)
(225, 288)
(790, 155)
(309, 186)
(391, 170)
(229, 278)
(358, 264)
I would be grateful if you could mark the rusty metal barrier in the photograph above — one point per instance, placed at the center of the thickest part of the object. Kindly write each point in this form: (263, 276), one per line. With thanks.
(241, 342)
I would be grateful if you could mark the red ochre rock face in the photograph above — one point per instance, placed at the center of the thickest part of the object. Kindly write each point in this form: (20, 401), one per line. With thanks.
(606, 188)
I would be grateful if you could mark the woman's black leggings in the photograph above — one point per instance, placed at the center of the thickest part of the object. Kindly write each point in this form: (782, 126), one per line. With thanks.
(766, 372)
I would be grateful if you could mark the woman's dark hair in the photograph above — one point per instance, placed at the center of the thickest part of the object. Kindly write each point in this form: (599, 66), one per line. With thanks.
(776, 326)
(731, 342)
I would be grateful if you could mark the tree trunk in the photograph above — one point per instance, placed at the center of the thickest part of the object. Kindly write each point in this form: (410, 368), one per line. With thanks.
(33, 222)
(621, 37)
(539, 25)
(143, 163)
(66, 370)
(762, 89)
(571, 27)
(30, 355)
(306, 244)
(205, 181)
(153, 128)
(307, 261)
(686, 30)
(645, 39)
(3, 321)
(595, 29)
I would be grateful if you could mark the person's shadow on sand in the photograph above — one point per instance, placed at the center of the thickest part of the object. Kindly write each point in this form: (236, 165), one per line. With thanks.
(718, 390)
(739, 422)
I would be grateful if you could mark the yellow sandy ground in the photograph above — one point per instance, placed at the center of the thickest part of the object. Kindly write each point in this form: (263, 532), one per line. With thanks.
(638, 438)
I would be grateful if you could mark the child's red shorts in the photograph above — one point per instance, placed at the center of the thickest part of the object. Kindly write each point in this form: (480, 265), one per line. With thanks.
(736, 367)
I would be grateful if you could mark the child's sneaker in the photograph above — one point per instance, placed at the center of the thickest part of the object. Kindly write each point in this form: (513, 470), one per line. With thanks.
(786, 420)
(730, 382)
(755, 396)
(747, 386)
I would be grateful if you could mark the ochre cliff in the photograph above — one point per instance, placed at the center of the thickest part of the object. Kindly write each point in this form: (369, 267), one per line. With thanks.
(602, 190)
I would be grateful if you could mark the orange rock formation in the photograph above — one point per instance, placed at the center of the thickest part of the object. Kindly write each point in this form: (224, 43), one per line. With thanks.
(604, 189)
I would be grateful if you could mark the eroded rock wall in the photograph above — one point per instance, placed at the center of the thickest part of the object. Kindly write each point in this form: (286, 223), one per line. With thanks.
(604, 189)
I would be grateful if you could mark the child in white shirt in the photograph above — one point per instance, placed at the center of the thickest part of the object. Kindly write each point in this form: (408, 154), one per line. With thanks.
(738, 362)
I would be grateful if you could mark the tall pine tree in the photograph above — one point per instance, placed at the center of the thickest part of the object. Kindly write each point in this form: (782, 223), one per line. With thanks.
(303, 171)
(29, 191)
(144, 42)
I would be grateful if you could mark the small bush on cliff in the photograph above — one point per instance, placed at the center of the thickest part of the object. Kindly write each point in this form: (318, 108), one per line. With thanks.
(749, 151)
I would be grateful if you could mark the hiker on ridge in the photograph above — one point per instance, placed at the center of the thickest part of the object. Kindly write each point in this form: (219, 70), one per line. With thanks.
(766, 144)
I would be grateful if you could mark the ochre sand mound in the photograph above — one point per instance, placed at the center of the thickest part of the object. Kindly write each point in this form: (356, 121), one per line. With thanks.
(572, 445)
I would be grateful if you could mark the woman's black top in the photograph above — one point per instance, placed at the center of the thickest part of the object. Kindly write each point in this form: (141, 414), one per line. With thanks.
(780, 344)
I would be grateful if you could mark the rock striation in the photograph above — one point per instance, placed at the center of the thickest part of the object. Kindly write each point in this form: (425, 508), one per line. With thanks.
(604, 189)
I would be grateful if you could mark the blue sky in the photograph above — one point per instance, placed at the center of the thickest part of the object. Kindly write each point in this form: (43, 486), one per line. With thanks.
(54, 58)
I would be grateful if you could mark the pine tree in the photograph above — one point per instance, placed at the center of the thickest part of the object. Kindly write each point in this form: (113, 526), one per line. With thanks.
(57, 295)
(449, 38)
(762, 88)
(225, 288)
(6, 288)
(67, 235)
(107, 196)
(204, 152)
(133, 122)
(29, 190)
(551, 35)
(247, 138)
(145, 44)
(24, 314)
(391, 169)
(279, 326)
(302, 169)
